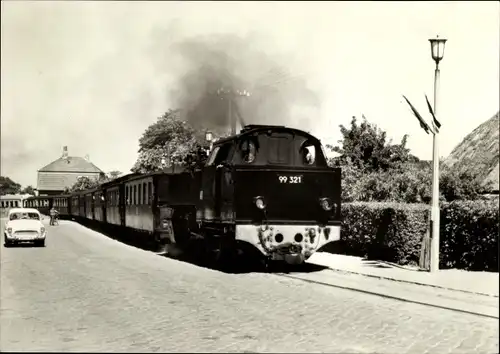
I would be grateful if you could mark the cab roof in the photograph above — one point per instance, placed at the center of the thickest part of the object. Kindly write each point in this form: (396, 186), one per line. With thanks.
(257, 128)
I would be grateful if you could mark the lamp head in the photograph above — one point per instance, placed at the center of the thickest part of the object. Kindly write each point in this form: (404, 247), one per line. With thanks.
(437, 48)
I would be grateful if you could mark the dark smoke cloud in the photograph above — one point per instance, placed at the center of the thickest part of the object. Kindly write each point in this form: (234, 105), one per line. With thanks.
(211, 62)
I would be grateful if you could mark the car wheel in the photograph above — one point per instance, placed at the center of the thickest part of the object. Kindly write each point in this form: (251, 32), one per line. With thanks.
(40, 243)
(7, 243)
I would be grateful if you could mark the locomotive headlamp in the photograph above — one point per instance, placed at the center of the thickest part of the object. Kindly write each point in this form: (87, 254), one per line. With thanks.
(259, 203)
(208, 136)
(326, 204)
(9, 230)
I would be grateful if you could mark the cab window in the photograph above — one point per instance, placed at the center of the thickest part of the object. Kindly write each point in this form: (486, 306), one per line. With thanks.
(248, 150)
(279, 152)
(214, 153)
(308, 154)
(219, 154)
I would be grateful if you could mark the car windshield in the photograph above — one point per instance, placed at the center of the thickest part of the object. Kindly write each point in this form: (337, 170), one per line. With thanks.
(24, 216)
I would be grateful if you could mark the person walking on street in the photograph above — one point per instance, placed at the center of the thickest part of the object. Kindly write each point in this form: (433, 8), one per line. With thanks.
(53, 215)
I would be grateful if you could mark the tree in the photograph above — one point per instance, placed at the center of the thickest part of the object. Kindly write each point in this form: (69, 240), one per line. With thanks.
(8, 186)
(463, 181)
(168, 141)
(84, 183)
(366, 148)
(28, 190)
(113, 174)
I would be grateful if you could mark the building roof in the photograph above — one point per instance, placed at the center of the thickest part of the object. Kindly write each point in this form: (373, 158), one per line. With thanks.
(481, 150)
(71, 164)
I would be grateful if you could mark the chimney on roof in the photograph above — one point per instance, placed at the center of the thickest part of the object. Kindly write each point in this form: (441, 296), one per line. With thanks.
(65, 152)
(87, 157)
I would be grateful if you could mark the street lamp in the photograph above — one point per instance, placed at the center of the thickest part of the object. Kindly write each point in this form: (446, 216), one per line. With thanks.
(209, 139)
(437, 52)
(208, 136)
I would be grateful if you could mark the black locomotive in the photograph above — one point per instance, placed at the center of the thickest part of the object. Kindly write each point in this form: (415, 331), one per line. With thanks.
(268, 187)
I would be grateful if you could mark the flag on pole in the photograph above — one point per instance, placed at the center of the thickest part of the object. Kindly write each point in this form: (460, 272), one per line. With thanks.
(436, 123)
(423, 124)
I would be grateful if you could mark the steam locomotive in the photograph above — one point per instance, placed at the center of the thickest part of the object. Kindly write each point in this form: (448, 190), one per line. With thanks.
(268, 188)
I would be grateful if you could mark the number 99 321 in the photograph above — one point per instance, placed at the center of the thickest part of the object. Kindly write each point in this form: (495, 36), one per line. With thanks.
(290, 179)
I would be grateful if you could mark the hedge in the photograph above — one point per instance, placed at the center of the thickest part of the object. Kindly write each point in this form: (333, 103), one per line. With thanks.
(393, 232)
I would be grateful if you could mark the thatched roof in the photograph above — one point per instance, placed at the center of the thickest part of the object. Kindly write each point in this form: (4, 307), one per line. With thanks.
(481, 150)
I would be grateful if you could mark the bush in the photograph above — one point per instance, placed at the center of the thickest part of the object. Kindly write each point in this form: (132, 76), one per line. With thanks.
(469, 235)
(385, 231)
(410, 183)
(393, 232)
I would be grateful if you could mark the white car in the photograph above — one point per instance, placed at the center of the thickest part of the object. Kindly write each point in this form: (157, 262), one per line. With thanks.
(24, 225)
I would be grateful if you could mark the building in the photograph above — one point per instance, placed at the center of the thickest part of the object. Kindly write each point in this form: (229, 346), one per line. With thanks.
(64, 172)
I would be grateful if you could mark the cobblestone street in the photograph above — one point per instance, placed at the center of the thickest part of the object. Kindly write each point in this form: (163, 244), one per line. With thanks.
(86, 292)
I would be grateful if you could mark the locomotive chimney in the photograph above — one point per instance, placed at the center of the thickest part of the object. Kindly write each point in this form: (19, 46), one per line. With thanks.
(65, 152)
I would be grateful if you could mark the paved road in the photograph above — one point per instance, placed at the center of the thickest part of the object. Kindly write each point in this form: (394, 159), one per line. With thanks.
(85, 292)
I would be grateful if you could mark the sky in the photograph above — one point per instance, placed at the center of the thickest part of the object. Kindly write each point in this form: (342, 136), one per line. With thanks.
(93, 75)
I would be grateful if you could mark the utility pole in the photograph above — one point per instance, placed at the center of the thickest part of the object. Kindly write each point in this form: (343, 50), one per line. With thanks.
(230, 95)
(232, 122)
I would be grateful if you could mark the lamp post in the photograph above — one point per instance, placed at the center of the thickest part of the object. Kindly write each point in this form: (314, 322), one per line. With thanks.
(437, 52)
(209, 139)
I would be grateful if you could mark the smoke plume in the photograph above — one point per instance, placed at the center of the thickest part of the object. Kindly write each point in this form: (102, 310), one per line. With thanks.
(209, 63)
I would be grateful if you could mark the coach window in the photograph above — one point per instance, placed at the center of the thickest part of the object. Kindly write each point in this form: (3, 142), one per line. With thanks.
(150, 192)
(139, 194)
(127, 193)
(144, 196)
(134, 196)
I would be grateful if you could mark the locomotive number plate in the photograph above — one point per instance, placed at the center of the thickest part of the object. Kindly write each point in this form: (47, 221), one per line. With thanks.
(290, 179)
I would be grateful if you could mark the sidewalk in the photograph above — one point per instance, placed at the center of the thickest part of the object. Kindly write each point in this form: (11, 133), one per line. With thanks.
(486, 283)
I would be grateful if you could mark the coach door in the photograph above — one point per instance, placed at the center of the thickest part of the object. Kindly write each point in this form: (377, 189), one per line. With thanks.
(121, 203)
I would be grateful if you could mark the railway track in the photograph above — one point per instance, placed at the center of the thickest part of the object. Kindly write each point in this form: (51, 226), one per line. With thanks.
(451, 300)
